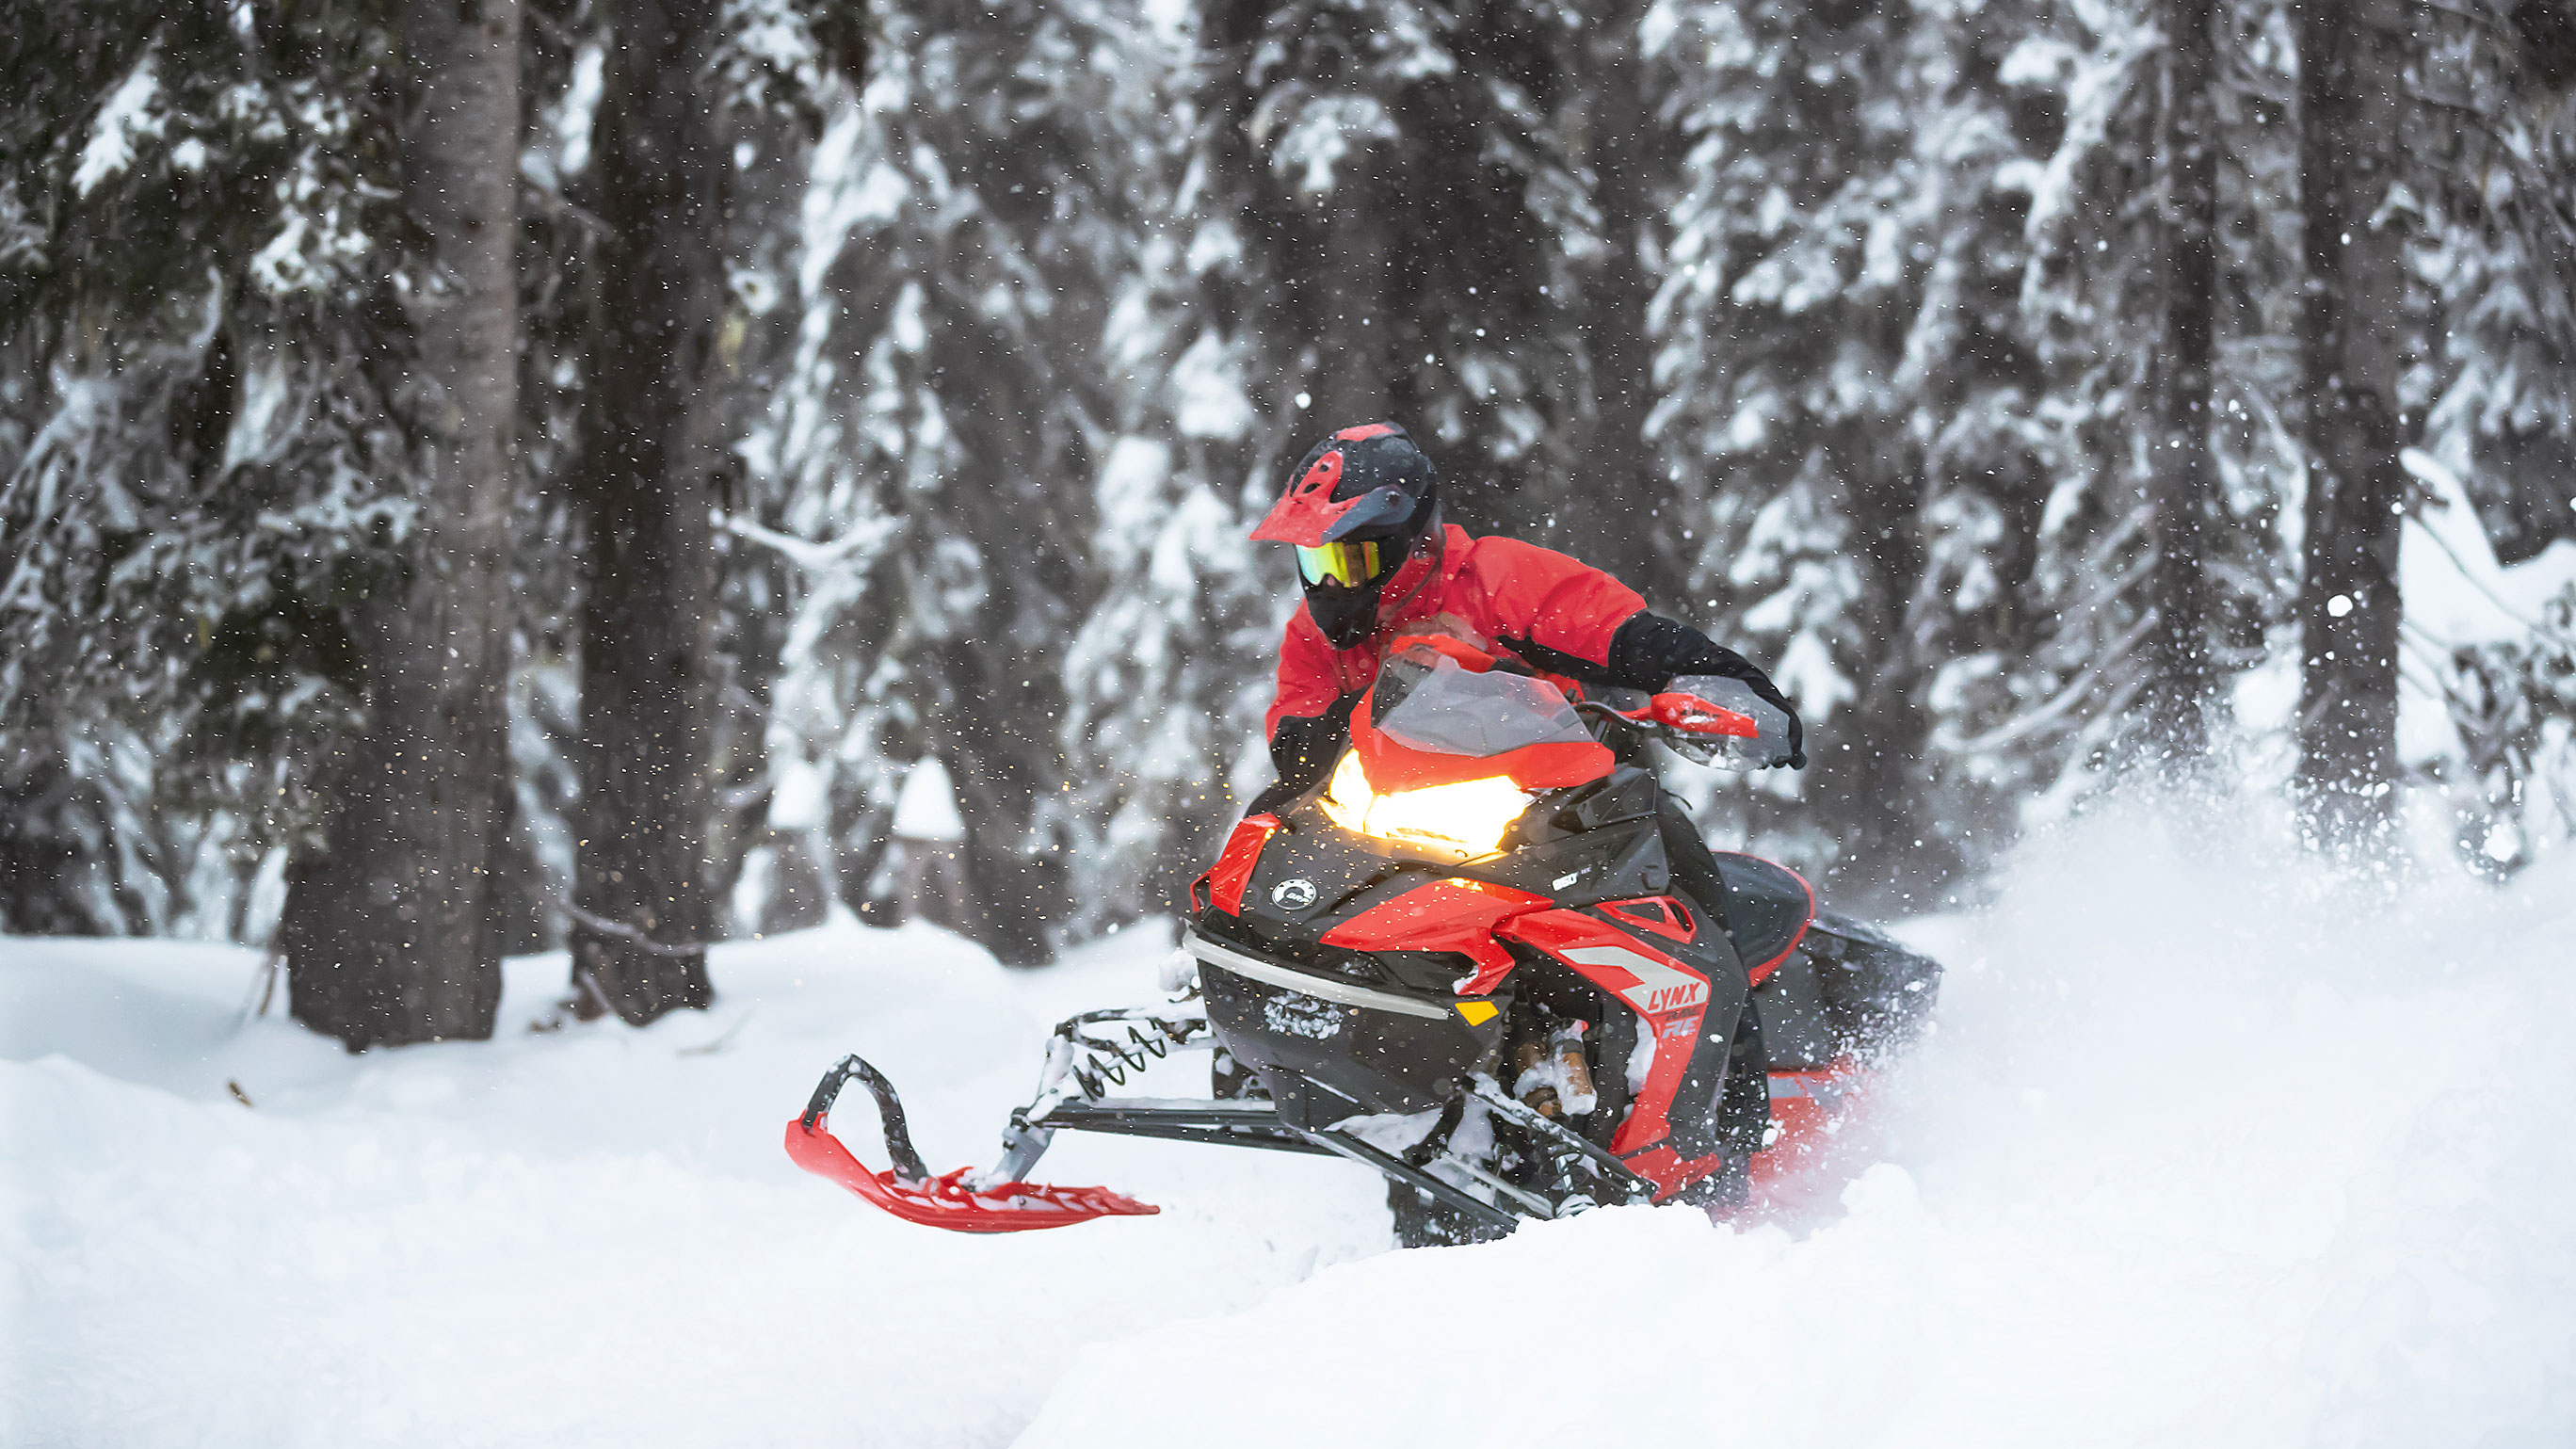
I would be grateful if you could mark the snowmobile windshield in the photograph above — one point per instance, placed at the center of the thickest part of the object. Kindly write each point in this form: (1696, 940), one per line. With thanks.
(1432, 720)
(1436, 705)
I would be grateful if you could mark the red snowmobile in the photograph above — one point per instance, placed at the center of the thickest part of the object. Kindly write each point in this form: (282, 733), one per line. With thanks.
(1459, 960)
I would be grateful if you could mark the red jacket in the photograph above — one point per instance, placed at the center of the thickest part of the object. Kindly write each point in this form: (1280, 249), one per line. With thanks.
(1510, 592)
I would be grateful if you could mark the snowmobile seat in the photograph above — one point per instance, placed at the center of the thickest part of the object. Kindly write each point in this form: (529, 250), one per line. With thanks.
(1767, 910)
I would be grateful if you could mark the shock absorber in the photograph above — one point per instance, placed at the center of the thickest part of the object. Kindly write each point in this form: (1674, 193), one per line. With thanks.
(1550, 1074)
(1530, 1078)
(1573, 1073)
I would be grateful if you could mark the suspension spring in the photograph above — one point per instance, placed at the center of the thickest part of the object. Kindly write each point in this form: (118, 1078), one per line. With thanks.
(1106, 1062)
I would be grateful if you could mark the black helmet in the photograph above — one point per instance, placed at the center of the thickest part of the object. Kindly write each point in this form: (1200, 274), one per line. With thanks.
(1356, 508)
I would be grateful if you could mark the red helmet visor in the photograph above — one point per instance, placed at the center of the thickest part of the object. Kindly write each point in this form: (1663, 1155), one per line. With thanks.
(1309, 516)
(1310, 519)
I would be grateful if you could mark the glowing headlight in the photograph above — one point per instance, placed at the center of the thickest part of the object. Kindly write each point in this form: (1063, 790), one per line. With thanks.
(1468, 817)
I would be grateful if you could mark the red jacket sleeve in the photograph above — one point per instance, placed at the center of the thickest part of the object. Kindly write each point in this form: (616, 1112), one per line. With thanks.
(1308, 683)
(1545, 598)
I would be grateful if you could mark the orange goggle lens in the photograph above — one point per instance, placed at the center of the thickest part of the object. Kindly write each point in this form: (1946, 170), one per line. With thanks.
(1347, 564)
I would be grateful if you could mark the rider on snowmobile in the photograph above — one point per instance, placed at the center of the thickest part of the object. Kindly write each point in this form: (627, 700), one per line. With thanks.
(1363, 510)
(1641, 1068)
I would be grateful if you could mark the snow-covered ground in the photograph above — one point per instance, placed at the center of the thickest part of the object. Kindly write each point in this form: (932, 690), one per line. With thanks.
(592, 1237)
(2206, 1150)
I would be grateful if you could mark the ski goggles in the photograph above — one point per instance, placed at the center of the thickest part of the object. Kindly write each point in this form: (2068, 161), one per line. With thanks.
(1347, 564)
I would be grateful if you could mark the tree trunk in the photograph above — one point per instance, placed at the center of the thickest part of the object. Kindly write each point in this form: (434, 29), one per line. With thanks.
(2352, 62)
(1889, 856)
(2177, 697)
(1344, 299)
(1617, 484)
(1001, 740)
(390, 937)
(644, 484)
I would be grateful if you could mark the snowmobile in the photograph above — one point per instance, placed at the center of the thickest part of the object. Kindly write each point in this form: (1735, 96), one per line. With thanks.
(1460, 960)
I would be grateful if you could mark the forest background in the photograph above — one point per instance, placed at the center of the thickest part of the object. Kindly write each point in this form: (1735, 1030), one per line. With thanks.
(478, 474)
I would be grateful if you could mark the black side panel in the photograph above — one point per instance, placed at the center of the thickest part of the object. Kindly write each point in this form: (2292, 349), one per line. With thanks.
(1766, 905)
(1613, 863)
(1725, 1072)
(1876, 993)
(1617, 1030)
(1744, 1114)
(1796, 1030)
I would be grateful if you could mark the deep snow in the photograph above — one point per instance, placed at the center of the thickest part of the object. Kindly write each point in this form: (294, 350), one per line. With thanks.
(585, 1238)
(2206, 1149)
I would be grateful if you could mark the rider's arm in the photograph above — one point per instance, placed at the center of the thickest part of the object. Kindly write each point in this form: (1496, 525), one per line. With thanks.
(1569, 617)
(1650, 651)
(1588, 625)
(1309, 717)
(1308, 680)
(1554, 611)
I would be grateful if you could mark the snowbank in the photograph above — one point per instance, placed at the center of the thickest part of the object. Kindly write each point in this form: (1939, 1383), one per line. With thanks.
(2205, 1152)
(590, 1237)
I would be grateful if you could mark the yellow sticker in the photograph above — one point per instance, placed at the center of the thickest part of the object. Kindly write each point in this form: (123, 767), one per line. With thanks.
(1477, 1012)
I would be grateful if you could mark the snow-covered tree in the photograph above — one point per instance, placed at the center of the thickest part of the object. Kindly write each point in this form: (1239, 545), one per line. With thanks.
(2116, 643)
(203, 260)
(1170, 673)
(1412, 217)
(2498, 106)
(660, 146)
(643, 477)
(927, 460)
(2496, 168)
(1631, 155)
(1832, 345)
(391, 932)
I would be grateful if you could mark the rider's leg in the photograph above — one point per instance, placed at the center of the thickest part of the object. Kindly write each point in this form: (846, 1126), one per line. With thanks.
(1742, 1118)
(1743, 1108)
(1693, 864)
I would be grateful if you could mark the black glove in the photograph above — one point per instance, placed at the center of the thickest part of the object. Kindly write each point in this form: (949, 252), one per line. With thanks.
(1649, 651)
(1302, 749)
(1796, 728)
(1760, 683)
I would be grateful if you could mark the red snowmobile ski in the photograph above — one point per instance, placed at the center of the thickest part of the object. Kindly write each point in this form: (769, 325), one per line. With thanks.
(1461, 960)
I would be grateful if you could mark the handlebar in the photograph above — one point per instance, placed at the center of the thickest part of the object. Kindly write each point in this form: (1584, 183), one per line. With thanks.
(1707, 719)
